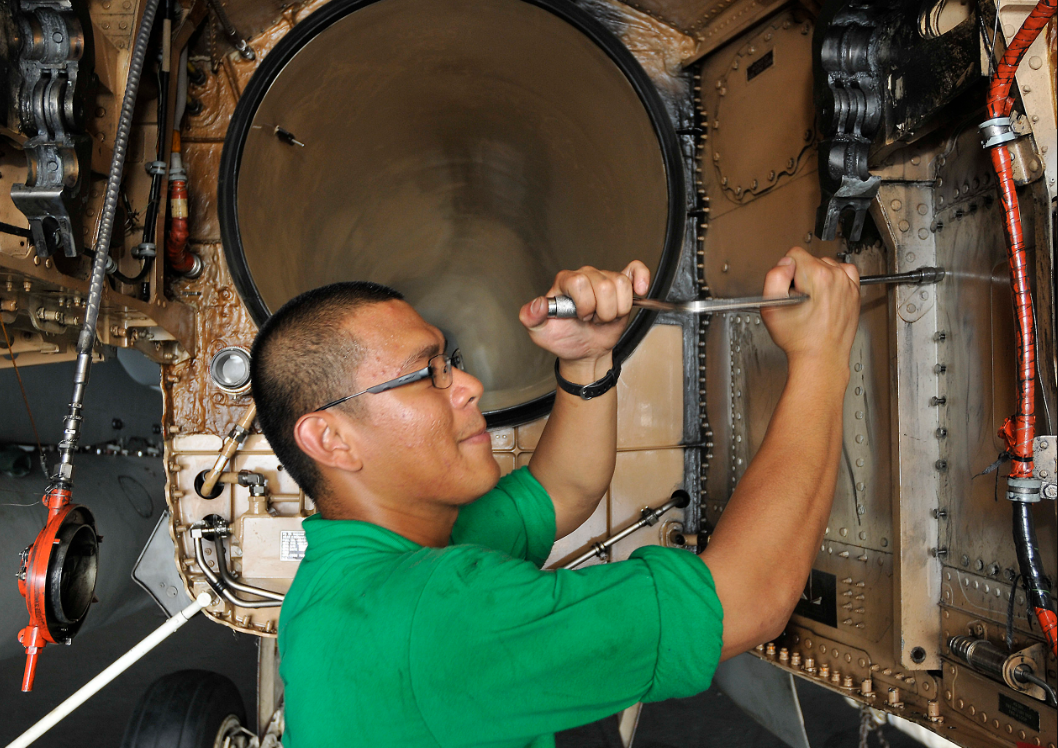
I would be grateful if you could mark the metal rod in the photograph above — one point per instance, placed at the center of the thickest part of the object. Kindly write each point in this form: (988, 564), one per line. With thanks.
(87, 337)
(119, 666)
(231, 444)
(563, 307)
(913, 278)
(649, 517)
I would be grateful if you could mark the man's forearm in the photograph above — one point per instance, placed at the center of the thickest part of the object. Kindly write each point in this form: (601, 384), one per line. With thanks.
(764, 545)
(574, 460)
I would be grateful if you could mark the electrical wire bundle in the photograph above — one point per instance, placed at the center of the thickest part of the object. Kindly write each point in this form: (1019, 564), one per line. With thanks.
(1019, 430)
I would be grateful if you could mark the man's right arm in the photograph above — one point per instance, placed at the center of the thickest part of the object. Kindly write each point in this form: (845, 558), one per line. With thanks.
(763, 547)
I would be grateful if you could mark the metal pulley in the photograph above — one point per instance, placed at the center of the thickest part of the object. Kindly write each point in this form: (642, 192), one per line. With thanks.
(57, 577)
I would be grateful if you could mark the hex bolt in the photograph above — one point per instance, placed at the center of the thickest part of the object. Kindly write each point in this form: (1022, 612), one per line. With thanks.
(867, 687)
(784, 655)
(938, 400)
(824, 671)
(810, 665)
(769, 650)
(894, 698)
(795, 659)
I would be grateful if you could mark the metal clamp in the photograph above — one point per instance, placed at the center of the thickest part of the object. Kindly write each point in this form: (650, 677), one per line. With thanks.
(144, 251)
(1045, 464)
(996, 131)
(156, 168)
(1026, 490)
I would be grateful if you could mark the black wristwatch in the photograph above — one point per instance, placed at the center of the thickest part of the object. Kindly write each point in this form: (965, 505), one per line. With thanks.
(588, 391)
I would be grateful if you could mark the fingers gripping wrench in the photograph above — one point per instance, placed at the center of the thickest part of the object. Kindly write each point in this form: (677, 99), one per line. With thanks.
(563, 307)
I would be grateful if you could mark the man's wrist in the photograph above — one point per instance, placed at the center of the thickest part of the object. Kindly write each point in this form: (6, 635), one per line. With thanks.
(822, 372)
(585, 370)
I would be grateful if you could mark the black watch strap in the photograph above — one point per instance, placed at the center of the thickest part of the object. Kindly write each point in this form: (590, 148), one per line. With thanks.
(588, 391)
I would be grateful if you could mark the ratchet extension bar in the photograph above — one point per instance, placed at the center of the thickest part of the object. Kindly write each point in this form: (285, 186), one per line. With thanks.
(562, 307)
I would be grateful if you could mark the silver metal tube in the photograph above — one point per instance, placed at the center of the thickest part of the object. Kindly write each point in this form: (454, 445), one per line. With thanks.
(230, 581)
(86, 339)
(600, 548)
(220, 586)
(913, 278)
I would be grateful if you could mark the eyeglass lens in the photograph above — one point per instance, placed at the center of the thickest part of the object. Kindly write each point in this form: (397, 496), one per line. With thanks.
(441, 369)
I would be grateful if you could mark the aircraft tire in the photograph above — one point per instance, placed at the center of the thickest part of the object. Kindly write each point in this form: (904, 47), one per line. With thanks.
(185, 709)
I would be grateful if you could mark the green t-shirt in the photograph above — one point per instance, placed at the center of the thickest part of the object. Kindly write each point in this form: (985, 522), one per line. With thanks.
(387, 643)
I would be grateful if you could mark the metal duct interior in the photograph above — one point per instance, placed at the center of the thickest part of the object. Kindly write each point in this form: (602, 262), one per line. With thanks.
(461, 151)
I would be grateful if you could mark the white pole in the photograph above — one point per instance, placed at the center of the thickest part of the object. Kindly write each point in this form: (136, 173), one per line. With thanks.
(119, 666)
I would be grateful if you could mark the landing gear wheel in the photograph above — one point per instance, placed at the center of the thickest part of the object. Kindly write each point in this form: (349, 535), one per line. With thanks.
(188, 709)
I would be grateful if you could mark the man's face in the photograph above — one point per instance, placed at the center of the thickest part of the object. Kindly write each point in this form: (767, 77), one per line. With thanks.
(417, 442)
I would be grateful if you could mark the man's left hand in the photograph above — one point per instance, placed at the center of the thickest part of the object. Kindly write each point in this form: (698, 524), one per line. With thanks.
(604, 303)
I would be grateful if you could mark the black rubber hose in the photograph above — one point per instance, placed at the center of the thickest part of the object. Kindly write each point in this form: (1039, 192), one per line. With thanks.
(1029, 556)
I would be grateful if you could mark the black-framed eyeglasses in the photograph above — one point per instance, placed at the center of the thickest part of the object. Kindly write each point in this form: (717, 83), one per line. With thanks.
(438, 369)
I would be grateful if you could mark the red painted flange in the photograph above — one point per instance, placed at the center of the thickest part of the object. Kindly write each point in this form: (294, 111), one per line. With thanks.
(49, 623)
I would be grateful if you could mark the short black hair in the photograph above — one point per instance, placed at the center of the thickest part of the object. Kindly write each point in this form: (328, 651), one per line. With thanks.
(302, 358)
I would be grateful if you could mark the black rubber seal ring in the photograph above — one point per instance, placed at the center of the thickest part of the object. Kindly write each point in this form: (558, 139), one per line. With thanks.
(307, 30)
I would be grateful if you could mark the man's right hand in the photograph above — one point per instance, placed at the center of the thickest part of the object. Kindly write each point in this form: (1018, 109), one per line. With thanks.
(821, 330)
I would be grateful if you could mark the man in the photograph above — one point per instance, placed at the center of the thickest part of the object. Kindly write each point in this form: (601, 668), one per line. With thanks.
(420, 615)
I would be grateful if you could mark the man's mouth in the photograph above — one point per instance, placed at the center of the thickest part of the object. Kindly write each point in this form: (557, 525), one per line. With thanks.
(478, 435)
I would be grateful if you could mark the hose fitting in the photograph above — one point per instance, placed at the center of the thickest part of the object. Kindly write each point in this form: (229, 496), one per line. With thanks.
(1024, 489)
(996, 131)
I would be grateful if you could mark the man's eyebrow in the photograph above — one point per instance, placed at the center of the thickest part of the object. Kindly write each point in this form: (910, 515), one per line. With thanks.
(426, 352)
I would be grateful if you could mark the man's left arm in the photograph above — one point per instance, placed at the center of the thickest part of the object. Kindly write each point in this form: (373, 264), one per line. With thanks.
(574, 459)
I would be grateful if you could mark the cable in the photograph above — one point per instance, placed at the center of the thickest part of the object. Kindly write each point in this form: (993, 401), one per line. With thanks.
(29, 411)
(1030, 677)
(245, 50)
(1019, 430)
(147, 250)
(7, 228)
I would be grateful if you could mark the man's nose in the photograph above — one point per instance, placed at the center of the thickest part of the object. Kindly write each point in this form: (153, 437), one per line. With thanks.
(466, 388)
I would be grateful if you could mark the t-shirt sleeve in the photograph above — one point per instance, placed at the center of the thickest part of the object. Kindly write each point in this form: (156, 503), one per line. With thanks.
(517, 517)
(503, 651)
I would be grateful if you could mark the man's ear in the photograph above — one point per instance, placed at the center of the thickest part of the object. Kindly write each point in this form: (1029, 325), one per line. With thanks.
(326, 439)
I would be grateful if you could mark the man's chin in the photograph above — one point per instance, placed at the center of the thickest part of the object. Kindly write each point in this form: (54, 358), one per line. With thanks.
(485, 478)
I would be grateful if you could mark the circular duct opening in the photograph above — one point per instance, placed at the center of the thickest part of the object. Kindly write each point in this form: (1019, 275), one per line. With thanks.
(461, 151)
(72, 570)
